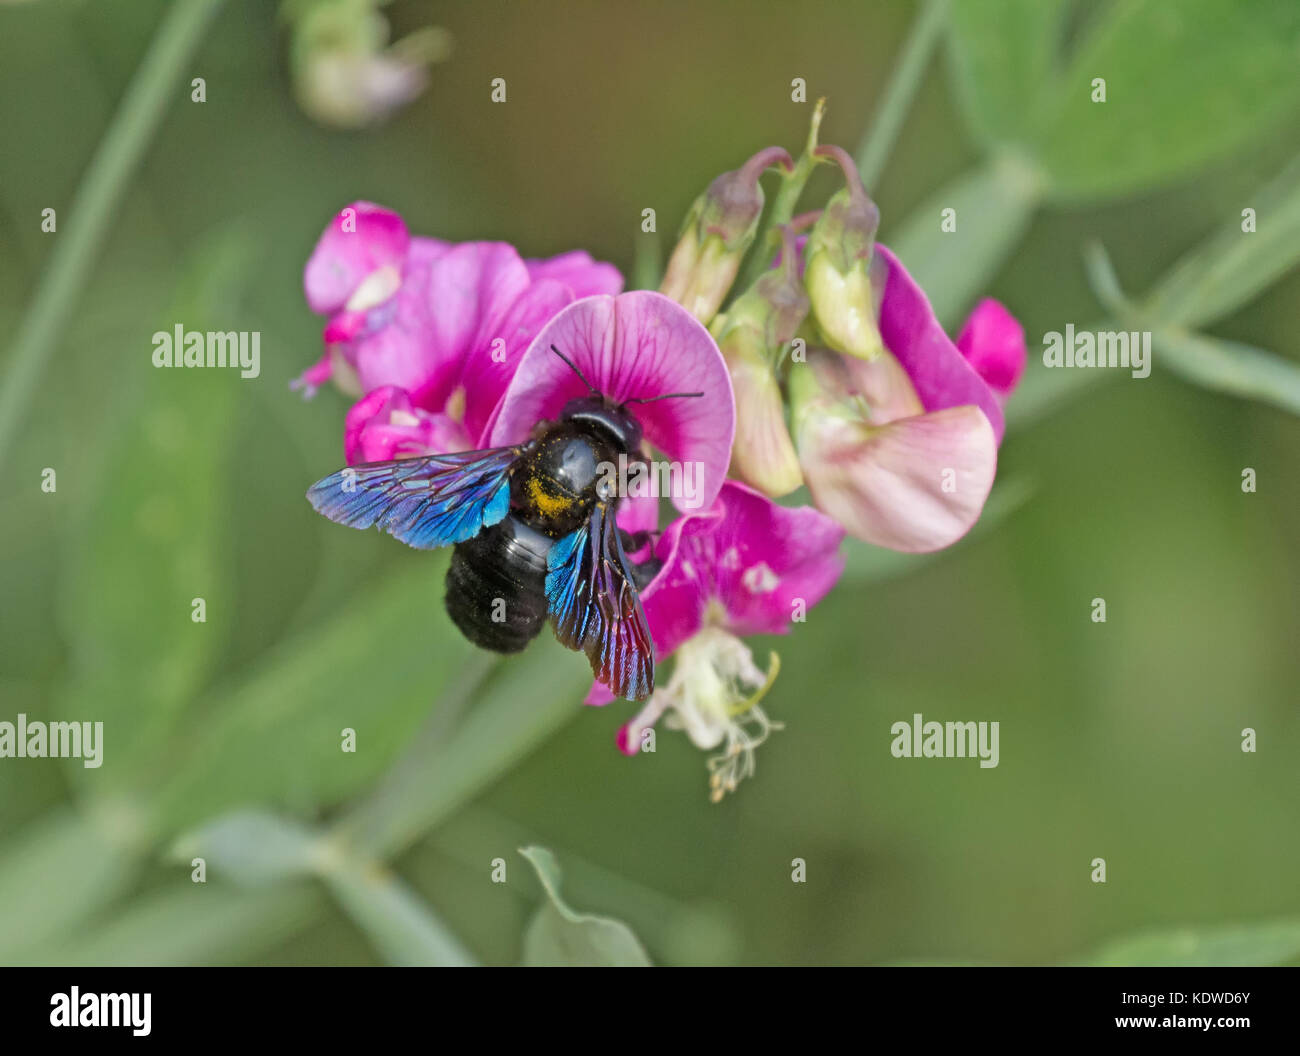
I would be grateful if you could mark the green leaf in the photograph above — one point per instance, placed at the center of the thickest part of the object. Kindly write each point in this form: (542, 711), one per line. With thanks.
(438, 775)
(58, 872)
(1273, 943)
(1235, 266)
(1186, 83)
(253, 847)
(256, 848)
(276, 738)
(198, 924)
(404, 930)
(559, 936)
(1044, 390)
(994, 205)
(1003, 53)
(151, 540)
(1229, 366)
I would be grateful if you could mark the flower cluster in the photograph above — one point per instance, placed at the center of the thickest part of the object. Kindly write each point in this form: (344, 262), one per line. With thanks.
(830, 371)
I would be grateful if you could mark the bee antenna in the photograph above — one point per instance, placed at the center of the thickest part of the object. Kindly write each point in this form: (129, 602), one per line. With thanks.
(665, 396)
(573, 367)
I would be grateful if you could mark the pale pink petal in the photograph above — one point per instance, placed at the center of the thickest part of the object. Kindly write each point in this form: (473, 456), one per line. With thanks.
(641, 345)
(887, 392)
(993, 342)
(939, 372)
(375, 237)
(915, 485)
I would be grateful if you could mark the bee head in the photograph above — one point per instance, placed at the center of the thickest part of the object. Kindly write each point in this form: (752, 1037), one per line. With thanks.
(612, 419)
(616, 423)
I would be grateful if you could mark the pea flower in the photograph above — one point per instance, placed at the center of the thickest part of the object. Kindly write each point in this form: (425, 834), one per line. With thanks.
(902, 449)
(993, 342)
(345, 73)
(634, 346)
(436, 327)
(744, 566)
(837, 265)
(754, 336)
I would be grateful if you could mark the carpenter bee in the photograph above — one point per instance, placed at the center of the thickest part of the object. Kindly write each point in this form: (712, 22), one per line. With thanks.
(534, 532)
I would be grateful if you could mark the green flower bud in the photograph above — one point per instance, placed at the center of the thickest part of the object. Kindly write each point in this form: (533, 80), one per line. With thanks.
(718, 231)
(837, 268)
(753, 337)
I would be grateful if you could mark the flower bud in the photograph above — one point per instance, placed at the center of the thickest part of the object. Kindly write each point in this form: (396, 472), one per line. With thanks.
(837, 267)
(753, 337)
(345, 73)
(716, 235)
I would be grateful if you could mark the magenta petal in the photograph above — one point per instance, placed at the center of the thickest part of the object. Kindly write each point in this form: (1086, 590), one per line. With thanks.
(384, 425)
(371, 406)
(677, 598)
(398, 348)
(639, 344)
(578, 271)
(939, 372)
(468, 291)
(638, 513)
(425, 251)
(768, 558)
(497, 350)
(342, 259)
(314, 376)
(993, 342)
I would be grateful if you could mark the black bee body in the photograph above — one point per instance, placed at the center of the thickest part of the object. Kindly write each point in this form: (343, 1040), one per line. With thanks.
(496, 584)
(535, 531)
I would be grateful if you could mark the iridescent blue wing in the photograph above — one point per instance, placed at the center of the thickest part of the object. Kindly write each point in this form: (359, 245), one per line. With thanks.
(595, 606)
(426, 502)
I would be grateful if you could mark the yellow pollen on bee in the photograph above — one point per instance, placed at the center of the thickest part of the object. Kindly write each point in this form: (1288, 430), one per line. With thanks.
(545, 502)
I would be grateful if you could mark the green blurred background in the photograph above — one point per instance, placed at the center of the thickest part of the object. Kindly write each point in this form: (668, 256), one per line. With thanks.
(1120, 740)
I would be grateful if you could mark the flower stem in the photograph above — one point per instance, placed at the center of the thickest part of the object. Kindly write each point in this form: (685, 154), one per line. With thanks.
(887, 121)
(155, 84)
(792, 185)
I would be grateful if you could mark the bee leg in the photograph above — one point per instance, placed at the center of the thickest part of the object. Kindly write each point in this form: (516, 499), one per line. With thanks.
(634, 541)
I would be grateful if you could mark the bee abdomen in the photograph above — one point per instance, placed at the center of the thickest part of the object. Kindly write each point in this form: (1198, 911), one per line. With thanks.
(496, 586)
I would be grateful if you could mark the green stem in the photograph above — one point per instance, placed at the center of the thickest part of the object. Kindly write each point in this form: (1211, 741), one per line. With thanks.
(906, 78)
(155, 84)
(647, 262)
(792, 185)
(436, 777)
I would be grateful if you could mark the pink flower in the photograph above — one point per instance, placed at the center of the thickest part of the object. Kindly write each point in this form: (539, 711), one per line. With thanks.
(993, 342)
(444, 324)
(901, 449)
(744, 566)
(636, 346)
